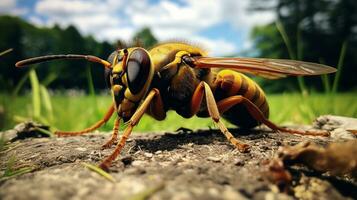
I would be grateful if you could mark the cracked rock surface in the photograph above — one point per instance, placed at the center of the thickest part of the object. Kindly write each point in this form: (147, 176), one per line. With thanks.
(165, 165)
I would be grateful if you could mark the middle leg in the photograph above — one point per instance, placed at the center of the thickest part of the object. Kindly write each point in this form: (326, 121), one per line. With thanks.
(203, 89)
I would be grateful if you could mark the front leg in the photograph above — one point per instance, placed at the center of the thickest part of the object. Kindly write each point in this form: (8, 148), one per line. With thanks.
(152, 97)
(90, 129)
(114, 136)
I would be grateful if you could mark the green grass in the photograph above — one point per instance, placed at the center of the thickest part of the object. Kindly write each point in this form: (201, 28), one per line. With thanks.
(11, 171)
(99, 171)
(78, 112)
(299, 109)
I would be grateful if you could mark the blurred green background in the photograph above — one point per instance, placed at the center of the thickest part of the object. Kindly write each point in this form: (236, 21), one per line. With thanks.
(71, 95)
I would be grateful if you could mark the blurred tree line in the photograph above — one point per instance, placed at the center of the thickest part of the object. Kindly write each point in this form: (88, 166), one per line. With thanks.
(28, 41)
(317, 31)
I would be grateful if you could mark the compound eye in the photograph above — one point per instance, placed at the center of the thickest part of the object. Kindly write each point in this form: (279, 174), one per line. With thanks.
(107, 73)
(138, 68)
(119, 58)
(112, 56)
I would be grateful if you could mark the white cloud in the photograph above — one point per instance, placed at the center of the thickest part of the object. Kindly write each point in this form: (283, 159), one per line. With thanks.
(216, 47)
(113, 19)
(170, 16)
(9, 7)
(237, 13)
(169, 20)
(90, 17)
(66, 8)
(35, 20)
(113, 34)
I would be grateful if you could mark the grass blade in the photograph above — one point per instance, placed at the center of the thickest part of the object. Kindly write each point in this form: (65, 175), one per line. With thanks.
(90, 82)
(20, 84)
(339, 67)
(19, 172)
(299, 43)
(325, 80)
(47, 102)
(44, 131)
(49, 79)
(6, 52)
(91, 90)
(302, 85)
(285, 37)
(99, 171)
(3, 142)
(326, 83)
(10, 172)
(292, 55)
(36, 96)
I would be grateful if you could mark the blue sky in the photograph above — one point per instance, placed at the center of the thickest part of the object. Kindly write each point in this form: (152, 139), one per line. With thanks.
(222, 27)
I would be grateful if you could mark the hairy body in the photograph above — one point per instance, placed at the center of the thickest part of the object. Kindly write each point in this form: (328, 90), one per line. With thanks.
(178, 81)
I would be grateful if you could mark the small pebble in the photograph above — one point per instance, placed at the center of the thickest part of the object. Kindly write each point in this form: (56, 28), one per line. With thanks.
(148, 155)
(138, 163)
(264, 148)
(238, 162)
(214, 159)
(38, 145)
(158, 152)
(127, 160)
(35, 155)
(135, 171)
(81, 149)
(278, 143)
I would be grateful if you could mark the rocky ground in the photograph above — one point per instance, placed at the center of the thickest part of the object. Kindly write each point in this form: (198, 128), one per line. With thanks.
(182, 165)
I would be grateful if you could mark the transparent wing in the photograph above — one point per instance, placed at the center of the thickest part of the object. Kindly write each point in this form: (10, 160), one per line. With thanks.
(264, 67)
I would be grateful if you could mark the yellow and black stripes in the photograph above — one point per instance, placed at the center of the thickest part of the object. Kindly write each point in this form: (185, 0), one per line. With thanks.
(181, 79)
(230, 83)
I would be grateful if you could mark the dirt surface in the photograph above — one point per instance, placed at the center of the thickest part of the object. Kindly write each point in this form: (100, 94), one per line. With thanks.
(180, 165)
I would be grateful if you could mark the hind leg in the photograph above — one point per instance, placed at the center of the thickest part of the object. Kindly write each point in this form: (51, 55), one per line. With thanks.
(226, 104)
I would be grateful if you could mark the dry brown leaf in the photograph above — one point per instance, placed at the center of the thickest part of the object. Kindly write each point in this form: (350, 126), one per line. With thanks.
(336, 158)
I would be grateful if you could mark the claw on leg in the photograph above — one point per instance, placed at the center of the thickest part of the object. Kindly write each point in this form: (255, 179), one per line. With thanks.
(114, 136)
(134, 120)
(242, 147)
(227, 103)
(203, 89)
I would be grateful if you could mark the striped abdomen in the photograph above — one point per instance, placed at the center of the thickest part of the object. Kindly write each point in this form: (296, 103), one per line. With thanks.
(230, 83)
